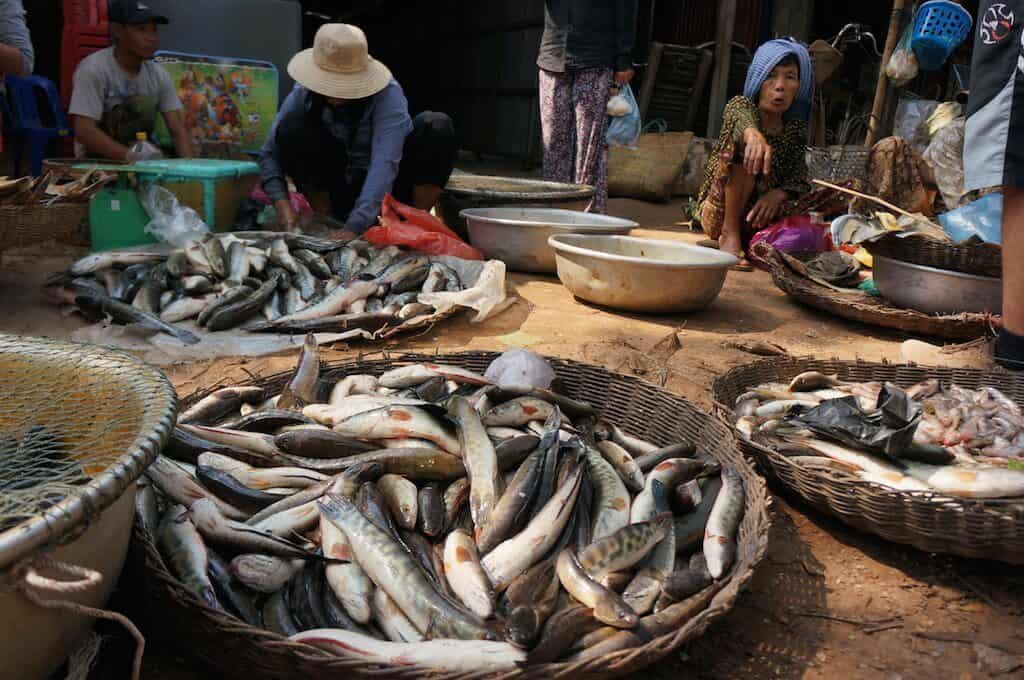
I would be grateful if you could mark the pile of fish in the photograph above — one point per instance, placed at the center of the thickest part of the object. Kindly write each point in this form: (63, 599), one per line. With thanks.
(427, 516)
(955, 441)
(259, 281)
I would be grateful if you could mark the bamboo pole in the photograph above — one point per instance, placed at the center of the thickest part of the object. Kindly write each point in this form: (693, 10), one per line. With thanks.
(882, 88)
(723, 60)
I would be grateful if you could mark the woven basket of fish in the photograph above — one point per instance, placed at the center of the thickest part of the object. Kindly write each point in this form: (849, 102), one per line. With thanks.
(928, 457)
(278, 283)
(585, 529)
(861, 307)
(970, 257)
(78, 426)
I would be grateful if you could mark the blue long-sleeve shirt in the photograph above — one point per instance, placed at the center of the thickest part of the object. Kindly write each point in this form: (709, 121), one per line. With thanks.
(374, 145)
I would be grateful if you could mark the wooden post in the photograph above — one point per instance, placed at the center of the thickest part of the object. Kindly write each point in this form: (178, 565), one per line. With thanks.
(882, 88)
(723, 60)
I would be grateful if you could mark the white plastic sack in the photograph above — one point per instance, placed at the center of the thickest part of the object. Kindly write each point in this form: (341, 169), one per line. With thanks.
(520, 368)
(170, 222)
(945, 155)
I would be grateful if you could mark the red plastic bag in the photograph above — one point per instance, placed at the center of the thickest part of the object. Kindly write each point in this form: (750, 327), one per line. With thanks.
(402, 225)
(796, 233)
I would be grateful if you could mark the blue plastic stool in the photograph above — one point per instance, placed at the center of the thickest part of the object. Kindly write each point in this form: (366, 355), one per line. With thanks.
(26, 121)
(940, 27)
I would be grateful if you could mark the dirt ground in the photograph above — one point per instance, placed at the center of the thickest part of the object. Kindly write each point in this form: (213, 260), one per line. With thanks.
(828, 602)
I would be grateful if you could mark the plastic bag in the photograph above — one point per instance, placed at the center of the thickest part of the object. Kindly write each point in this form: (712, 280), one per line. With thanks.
(520, 368)
(299, 202)
(911, 123)
(945, 155)
(170, 222)
(625, 130)
(903, 66)
(618, 106)
(796, 233)
(982, 218)
(403, 225)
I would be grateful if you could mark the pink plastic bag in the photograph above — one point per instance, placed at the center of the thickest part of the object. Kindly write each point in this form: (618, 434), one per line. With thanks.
(792, 234)
(300, 205)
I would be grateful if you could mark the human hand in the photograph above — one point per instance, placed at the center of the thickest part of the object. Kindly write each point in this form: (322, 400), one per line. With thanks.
(285, 214)
(767, 209)
(623, 77)
(757, 153)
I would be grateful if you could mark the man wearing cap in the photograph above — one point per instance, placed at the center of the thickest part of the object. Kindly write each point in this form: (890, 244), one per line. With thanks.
(119, 91)
(345, 137)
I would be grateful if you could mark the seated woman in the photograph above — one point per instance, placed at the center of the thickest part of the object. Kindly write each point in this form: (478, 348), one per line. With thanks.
(759, 161)
(345, 137)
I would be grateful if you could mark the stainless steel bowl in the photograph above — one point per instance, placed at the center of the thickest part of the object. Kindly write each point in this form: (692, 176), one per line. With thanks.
(639, 274)
(519, 236)
(936, 291)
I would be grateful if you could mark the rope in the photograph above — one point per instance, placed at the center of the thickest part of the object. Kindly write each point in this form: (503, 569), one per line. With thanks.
(26, 578)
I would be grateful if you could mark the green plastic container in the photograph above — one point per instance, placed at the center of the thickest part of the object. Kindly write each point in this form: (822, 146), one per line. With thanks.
(213, 188)
(117, 219)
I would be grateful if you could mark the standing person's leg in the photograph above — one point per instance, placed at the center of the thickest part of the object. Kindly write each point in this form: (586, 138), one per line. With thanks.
(994, 151)
(556, 124)
(428, 159)
(590, 100)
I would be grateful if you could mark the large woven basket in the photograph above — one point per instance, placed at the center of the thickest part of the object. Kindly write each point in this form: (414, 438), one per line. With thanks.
(979, 259)
(24, 225)
(867, 309)
(930, 522)
(837, 163)
(237, 650)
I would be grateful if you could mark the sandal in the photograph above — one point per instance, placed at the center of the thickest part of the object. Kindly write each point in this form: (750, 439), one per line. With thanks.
(708, 243)
(743, 265)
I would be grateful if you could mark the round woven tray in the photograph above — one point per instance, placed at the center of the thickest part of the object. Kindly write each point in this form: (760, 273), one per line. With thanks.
(867, 309)
(237, 650)
(107, 404)
(930, 522)
(980, 259)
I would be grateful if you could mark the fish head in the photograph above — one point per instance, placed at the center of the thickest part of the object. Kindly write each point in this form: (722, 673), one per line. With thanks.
(614, 609)
(522, 626)
(663, 523)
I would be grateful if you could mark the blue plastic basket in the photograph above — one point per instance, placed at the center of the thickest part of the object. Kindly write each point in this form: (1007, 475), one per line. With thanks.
(939, 29)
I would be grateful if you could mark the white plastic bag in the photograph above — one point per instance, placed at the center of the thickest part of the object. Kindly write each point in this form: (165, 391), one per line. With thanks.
(903, 66)
(945, 155)
(170, 222)
(520, 368)
(625, 130)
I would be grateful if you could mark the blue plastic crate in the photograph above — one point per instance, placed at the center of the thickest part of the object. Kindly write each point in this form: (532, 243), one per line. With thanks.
(939, 28)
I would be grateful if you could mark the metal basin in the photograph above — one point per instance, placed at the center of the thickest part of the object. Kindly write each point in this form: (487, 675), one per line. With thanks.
(936, 291)
(519, 236)
(639, 274)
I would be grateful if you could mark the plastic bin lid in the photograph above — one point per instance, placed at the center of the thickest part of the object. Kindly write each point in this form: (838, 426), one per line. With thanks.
(201, 168)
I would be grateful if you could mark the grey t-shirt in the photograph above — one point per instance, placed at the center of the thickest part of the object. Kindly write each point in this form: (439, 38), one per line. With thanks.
(14, 32)
(122, 104)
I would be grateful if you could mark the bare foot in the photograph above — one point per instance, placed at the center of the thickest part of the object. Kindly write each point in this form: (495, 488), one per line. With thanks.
(731, 246)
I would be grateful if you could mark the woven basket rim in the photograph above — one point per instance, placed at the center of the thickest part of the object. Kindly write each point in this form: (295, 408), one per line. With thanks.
(722, 600)
(66, 519)
(840, 484)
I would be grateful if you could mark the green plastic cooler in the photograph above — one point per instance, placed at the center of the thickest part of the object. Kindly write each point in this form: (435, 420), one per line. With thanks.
(213, 188)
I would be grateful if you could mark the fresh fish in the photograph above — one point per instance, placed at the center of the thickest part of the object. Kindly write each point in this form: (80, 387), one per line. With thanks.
(560, 632)
(90, 264)
(334, 303)
(687, 496)
(813, 380)
(431, 509)
(668, 473)
(347, 484)
(689, 529)
(648, 462)
(236, 600)
(512, 510)
(187, 554)
(334, 414)
(224, 486)
(180, 487)
(724, 521)
(962, 482)
(624, 464)
(261, 445)
(228, 297)
(216, 528)
(353, 384)
(414, 310)
(435, 279)
(220, 403)
(238, 262)
(391, 620)
(687, 582)
(624, 548)
(394, 422)
(261, 478)
(185, 308)
(611, 498)
(480, 460)
(393, 570)
(369, 322)
(608, 606)
(642, 592)
(313, 262)
(216, 256)
(456, 497)
(343, 262)
(257, 259)
(518, 412)
(277, 615)
(304, 281)
(146, 506)
(321, 444)
(456, 656)
(266, 421)
(302, 387)
(417, 464)
(291, 522)
(348, 581)
(402, 498)
(280, 255)
(465, 575)
(264, 573)
(514, 556)
(381, 260)
(121, 313)
(234, 314)
(411, 376)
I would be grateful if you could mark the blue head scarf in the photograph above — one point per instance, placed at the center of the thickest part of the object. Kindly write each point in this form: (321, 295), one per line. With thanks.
(767, 58)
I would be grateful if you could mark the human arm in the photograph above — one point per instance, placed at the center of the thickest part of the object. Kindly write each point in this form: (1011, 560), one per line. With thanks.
(17, 56)
(176, 126)
(272, 174)
(96, 141)
(391, 125)
(625, 38)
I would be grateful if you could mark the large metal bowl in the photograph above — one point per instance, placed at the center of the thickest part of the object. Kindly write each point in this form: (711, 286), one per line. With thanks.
(639, 274)
(936, 291)
(519, 236)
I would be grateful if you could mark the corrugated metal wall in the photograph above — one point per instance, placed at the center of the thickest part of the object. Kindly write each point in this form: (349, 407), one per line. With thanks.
(692, 22)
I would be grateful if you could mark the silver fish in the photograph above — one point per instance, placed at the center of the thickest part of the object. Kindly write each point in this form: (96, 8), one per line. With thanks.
(402, 499)
(221, 403)
(480, 461)
(465, 575)
(282, 257)
(262, 478)
(353, 384)
(181, 487)
(608, 606)
(187, 554)
(185, 308)
(217, 528)
(238, 262)
(518, 412)
(335, 302)
(720, 536)
(611, 498)
(348, 581)
(393, 422)
(264, 573)
(90, 264)
(411, 376)
(624, 464)
(391, 620)
(302, 387)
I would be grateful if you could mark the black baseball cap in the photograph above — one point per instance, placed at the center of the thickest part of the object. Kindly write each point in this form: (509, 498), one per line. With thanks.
(133, 13)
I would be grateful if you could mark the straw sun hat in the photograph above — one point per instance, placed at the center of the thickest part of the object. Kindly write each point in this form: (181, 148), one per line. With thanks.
(339, 64)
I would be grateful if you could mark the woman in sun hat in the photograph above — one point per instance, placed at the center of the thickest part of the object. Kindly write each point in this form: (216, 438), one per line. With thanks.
(345, 137)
